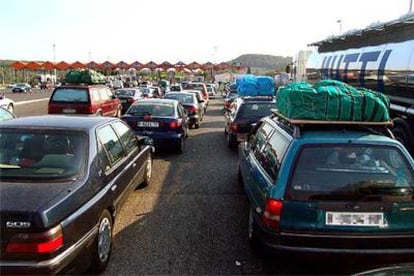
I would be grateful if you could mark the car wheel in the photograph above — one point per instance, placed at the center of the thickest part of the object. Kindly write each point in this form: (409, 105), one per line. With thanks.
(102, 244)
(239, 177)
(230, 141)
(148, 171)
(180, 145)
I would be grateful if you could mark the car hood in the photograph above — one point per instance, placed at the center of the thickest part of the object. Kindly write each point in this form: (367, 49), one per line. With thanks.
(41, 204)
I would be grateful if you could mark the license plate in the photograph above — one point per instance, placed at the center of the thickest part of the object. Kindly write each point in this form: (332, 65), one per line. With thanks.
(148, 124)
(123, 101)
(354, 219)
(69, 110)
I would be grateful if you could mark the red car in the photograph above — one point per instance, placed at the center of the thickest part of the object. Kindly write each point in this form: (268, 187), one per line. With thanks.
(96, 100)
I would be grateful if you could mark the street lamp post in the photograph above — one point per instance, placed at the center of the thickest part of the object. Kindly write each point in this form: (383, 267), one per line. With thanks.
(340, 25)
(411, 6)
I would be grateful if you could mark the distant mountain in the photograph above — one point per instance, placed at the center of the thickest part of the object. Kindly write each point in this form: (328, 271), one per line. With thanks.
(260, 63)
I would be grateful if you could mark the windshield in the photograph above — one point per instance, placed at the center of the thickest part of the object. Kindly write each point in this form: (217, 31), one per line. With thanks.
(153, 109)
(255, 110)
(70, 95)
(349, 172)
(41, 154)
(181, 97)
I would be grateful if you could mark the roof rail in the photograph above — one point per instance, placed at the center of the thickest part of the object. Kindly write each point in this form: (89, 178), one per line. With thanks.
(296, 124)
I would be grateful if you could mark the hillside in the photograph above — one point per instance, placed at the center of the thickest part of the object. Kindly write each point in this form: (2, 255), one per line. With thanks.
(262, 63)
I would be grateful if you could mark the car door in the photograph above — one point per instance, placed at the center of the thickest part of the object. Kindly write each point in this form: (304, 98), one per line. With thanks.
(107, 103)
(135, 161)
(114, 163)
(254, 175)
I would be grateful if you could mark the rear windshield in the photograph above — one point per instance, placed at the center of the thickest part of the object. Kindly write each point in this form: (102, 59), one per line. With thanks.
(128, 92)
(41, 155)
(349, 172)
(255, 110)
(70, 95)
(153, 109)
(194, 86)
(182, 98)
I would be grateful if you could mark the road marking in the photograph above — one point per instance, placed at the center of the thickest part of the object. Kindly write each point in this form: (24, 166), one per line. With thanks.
(31, 101)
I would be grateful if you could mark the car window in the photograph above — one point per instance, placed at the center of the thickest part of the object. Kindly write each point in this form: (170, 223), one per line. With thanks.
(111, 143)
(247, 110)
(352, 172)
(105, 94)
(126, 135)
(125, 92)
(96, 95)
(41, 155)
(70, 95)
(258, 140)
(154, 109)
(272, 154)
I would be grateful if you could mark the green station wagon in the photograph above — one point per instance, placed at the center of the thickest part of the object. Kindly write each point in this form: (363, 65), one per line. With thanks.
(327, 188)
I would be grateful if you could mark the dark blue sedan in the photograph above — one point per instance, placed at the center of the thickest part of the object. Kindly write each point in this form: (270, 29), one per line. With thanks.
(63, 180)
(164, 120)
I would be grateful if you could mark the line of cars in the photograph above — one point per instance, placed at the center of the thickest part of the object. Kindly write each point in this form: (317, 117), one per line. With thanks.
(65, 176)
(333, 188)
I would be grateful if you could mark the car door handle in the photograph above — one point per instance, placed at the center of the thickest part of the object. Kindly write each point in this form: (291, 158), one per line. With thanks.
(134, 165)
(113, 188)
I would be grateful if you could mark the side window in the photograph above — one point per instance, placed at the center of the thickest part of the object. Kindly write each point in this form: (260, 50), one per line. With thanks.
(127, 136)
(111, 143)
(104, 94)
(95, 95)
(273, 153)
(257, 141)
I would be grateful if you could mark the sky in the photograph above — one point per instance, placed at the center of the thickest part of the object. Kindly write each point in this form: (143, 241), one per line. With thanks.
(178, 30)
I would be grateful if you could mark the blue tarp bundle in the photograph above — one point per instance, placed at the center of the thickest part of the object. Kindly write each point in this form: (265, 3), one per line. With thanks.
(266, 85)
(250, 85)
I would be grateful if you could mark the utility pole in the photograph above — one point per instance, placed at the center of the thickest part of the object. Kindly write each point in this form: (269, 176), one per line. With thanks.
(340, 25)
(411, 6)
(54, 81)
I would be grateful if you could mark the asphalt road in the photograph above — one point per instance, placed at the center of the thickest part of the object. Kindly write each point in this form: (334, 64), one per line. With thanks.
(192, 219)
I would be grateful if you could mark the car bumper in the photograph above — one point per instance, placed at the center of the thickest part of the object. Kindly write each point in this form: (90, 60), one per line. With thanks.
(51, 266)
(287, 242)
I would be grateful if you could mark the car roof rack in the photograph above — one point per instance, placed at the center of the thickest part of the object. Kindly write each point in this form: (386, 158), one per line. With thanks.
(295, 125)
(258, 98)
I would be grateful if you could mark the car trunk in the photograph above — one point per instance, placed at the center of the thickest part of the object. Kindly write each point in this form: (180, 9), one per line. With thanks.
(347, 224)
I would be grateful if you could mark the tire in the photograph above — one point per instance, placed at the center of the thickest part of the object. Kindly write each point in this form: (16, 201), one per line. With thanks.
(179, 148)
(254, 243)
(239, 177)
(230, 141)
(103, 244)
(148, 171)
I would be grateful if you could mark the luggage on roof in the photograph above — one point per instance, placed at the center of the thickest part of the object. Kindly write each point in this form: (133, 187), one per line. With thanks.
(332, 100)
(85, 76)
(250, 85)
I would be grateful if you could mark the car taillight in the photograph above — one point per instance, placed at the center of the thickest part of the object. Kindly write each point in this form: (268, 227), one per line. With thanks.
(46, 242)
(192, 109)
(175, 124)
(272, 213)
(131, 100)
(234, 127)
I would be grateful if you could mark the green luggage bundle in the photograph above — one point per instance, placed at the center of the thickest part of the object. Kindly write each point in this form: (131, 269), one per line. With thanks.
(85, 76)
(332, 100)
